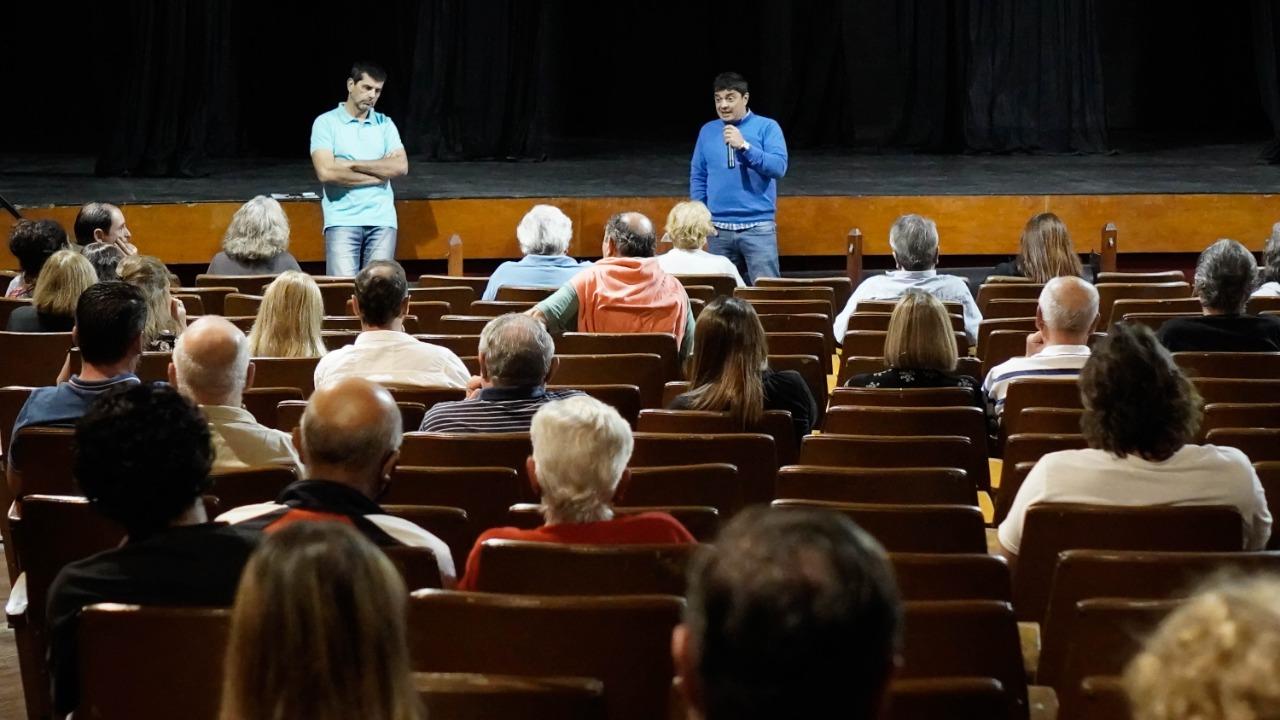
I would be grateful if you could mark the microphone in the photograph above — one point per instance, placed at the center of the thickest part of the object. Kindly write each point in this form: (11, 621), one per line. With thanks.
(733, 160)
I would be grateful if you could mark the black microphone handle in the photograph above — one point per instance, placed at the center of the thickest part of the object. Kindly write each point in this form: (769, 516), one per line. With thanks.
(733, 160)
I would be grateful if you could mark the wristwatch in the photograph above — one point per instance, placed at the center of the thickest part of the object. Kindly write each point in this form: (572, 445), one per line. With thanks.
(745, 146)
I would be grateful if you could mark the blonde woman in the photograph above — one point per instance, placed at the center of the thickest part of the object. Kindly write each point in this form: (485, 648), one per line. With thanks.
(1044, 252)
(289, 319)
(1214, 658)
(256, 242)
(58, 286)
(688, 226)
(166, 316)
(318, 631)
(920, 349)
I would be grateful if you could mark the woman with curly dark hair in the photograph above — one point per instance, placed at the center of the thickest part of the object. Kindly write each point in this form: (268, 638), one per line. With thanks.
(1140, 415)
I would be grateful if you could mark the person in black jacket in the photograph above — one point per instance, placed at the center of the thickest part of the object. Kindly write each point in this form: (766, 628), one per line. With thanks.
(1224, 276)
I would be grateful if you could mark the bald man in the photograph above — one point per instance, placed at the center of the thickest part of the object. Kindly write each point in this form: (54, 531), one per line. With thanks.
(211, 367)
(626, 292)
(1066, 316)
(350, 442)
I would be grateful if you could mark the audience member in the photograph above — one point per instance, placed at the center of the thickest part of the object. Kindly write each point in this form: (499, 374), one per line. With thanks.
(349, 441)
(1140, 416)
(105, 258)
(289, 319)
(688, 226)
(256, 241)
(1066, 315)
(1269, 274)
(914, 242)
(1224, 275)
(142, 459)
(99, 222)
(383, 352)
(109, 321)
(166, 315)
(53, 304)
(517, 358)
(544, 234)
(790, 614)
(626, 292)
(211, 366)
(1044, 252)
(579, 464)
(318, 631)
(1213, 658)
(32, 242)
(729, 371)
(920, 350)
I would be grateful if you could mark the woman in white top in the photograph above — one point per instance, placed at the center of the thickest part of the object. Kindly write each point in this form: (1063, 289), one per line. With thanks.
(1269, 273)
(1140, 414)
(688, 225)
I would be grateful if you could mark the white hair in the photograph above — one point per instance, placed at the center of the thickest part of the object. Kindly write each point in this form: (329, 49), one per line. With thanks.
(1069, 304)
(544, 230)
(581, 447)
(914, 241)
(258, 231)
(221, 384)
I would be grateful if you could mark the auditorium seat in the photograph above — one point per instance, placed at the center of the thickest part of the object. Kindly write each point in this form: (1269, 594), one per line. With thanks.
(477, 284)
(191, 302)
(461, 345)
(623, 398)
(289, 415)
(12, 398)
(1165, 276)
(811, 322)
(427, 396)
(644, 370)
(244, 284)
(286, 372)
(969, 422)
(1127, 306)
(700, 294)
(886, 451)
(752, 453)
(461, 324)
(262, 402)
(334, 339)
(476, 696)
(775, 423)
(1235, 390)
(661, 344)
(1108, 633)
(825, 294)
(880, 321)
(336, 297)
(723, 284)
(428, 314)
(813, 370)
(1006, 291)
(1012, 476)
(1260, 444)
(791, 307)
(1050, 420)
(244, 305)
(1101, 697)
(702, 522)
(484, 493)
(32, 359)
(911, 528)
(1262, 304)
(1269, 477)
(887, 306)
(40, 462)
(1030, 447)
(902, 397)
(1010, 308)
(988, 326)
(713, 485)
(497, 308)
(799, 343)
(7, 306)
(459, 298)
(1003, 345)
(852, 365)
(538, 568)
(351, 323)
(449, 450)
(965, 638)
(236, 488)
(525, 293)
(1051, 528)
(954, 698)
(1239, 415)
(1109, 293)
(894, 486)
(841, 286)
(1155, 321)
(623, 641)
(952, 576)
(244, 322)
(450, 524)
(1041, 392)
(418, 566)
(1259, 366)
(211, 298)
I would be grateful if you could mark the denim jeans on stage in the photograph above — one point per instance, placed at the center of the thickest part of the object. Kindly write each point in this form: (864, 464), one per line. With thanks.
(754, 250)
(349, 248)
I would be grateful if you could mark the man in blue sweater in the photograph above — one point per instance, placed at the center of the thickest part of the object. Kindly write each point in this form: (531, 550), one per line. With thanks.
(736, 164)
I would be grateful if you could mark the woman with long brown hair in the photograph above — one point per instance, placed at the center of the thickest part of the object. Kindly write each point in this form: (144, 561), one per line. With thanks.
(166, 316)
(729, 370)
(1044, 252)
(318, 631)
(289, 319)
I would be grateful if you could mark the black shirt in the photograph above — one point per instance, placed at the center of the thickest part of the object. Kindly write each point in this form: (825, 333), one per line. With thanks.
(324, 497)
(1222, 333)
(785, 390)
(905, 378)
(28, 319)
(187, 566)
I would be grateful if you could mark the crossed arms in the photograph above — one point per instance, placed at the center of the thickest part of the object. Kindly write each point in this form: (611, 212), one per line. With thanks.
(359, 173)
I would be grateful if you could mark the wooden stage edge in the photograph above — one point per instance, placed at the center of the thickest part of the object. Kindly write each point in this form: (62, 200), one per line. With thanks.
(191, 233)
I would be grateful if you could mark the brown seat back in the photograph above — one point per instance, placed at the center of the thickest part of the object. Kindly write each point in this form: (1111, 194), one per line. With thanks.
(427, 396)
(429, 313)
(1164, 276)
(525, 293)
(1101, 697)
(32, 359)
(887, 306)
(969, 422)
(263, 402)
(811, 322)
(497, 308)
(532, 568)
(660, 344)
(841, 287)
(12, 399)
(1239, 415)
(644, 370)
(1012, 476)
(458, 297)
(461, 324)
(474, 696)
(911, 528)
(623, 641)
(774, 423)
(235, 488)
(1007, 308)
(418, 566)
(211, 298)
(1109, 632)
(952, 576)
(1109, 293)
(244, 284)
(825, 294)
(896, 486)
(1030, 447)
(336, 296)
(1260, 444)
(753, 454)
(1050, 421)
(905, 397)
(797, 343)
(477, 284)
(286, 372)
(1259, 365)
(988, 326)
(1127, 306)
(7, 306)
(1269, 478)
(952, 698)
(1051, 528)
(40, 462)
(790, 307)
(1234, 390)
(623, 398)
(1028, 392)
(244, 304)
(449, 450)
(1002, 345)
(707, 485)
(813, 369)
(885, 451)
(722, 284)
(484, 493)
(461, 345)
(450, 524)
(1155, 321)
(1006, 291)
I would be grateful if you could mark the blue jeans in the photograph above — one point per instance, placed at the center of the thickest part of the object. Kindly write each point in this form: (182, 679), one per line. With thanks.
(349, 248)
(754, 250)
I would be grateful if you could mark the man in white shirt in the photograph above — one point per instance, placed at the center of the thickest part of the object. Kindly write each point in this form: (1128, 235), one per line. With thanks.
(211, 366)
(1066, 315)
(383, 352)
(914, 242)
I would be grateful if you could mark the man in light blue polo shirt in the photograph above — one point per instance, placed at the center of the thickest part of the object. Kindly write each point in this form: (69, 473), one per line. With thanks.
(356, 151)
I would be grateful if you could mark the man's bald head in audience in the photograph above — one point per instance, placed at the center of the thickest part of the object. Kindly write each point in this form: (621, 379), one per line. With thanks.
(211, 362)
(1067, 311)
(351, 433)
(629, 234)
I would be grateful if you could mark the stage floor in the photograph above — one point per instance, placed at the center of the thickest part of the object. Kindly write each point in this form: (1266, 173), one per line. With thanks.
(662, 170)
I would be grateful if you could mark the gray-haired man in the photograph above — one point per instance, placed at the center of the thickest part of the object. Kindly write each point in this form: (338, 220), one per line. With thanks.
(914, 242)
(517, 358)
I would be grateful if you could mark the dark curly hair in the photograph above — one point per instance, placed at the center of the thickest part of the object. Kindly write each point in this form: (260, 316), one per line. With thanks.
(1136, 399)
(142, 455)
(33, 242)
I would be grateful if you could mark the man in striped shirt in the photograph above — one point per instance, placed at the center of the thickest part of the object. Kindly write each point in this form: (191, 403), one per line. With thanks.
(1065, 318)
(517, 357)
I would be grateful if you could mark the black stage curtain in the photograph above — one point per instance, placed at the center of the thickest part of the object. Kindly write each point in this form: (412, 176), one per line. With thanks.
(1266, 49)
